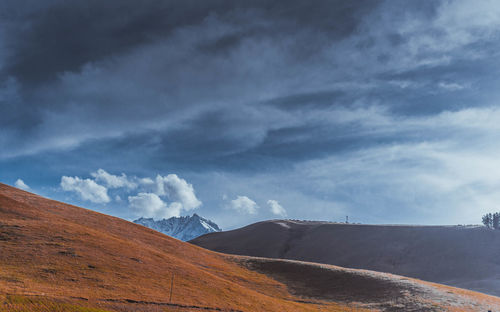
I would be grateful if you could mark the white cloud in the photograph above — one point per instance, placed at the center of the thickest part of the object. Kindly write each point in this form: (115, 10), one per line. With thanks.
(151, 205)
(146, 181)
(20, 184)
(451, 86)
(177, 190)
(113, 181)
(162, 197)
(244, 204)
(276, 208)
(87, 189)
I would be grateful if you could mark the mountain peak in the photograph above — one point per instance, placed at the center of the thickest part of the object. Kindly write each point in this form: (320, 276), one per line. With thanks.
(184, 228)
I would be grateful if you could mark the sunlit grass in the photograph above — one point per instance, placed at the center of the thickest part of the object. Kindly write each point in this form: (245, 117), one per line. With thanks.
(56, 257)
(19, 303)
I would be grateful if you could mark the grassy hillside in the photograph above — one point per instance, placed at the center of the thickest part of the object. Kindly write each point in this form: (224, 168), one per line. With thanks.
(465, 257)
(57, 257)
(53, 252)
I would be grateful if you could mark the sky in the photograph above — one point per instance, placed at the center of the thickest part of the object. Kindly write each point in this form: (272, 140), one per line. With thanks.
(240, 111)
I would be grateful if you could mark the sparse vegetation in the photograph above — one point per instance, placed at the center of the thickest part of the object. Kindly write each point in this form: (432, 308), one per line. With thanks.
(492, 220)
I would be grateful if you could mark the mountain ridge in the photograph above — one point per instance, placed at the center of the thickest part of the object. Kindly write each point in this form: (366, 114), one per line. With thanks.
(184, 228)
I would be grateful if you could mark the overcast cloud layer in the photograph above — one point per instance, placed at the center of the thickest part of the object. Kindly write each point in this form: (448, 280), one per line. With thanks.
(386, 111)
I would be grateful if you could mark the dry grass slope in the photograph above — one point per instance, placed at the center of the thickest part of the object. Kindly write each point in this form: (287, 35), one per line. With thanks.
(458, 256)
(58, 257)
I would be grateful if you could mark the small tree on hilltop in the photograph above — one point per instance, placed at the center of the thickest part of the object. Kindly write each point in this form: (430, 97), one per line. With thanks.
(488, 220)
(495, 220)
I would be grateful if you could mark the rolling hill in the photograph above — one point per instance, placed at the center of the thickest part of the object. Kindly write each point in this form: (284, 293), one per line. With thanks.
(466, 257)
(58, 257)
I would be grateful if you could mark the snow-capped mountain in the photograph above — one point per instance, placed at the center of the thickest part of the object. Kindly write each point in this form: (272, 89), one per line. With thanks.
(183, 228)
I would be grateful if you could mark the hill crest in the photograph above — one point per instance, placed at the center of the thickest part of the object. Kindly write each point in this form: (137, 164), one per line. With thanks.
(460, 256)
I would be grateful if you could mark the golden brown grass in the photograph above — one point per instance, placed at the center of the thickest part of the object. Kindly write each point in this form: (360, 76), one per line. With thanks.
(58, 257)
(19, 303)
(61, 252)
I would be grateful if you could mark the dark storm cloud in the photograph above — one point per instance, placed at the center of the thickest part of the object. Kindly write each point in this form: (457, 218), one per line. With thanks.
(362, 106)
(63, 36)
(93, 67)
(238, 80)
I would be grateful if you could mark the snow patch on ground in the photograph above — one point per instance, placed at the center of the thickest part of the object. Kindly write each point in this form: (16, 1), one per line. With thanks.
(283, 224)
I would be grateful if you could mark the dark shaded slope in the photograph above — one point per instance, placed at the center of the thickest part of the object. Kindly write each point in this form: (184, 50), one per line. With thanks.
(467, 257)
(369, 289)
